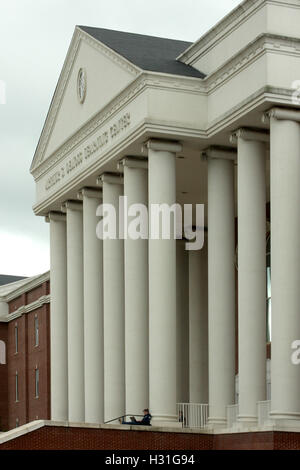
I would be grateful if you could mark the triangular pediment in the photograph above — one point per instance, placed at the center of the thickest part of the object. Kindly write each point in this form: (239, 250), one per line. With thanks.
(106, 73)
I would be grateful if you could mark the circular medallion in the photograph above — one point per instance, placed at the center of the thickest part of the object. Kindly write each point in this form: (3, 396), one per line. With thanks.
(81, 85)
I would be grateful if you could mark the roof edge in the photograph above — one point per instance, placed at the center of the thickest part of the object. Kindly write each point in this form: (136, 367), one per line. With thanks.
(219, 27)
(29, 284)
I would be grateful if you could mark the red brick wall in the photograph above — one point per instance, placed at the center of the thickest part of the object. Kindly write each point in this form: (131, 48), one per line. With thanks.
(36, 293)
(28, 358)
(75, 439)
(39, 357)
(17, 303)
(3, 383)
(17, 362)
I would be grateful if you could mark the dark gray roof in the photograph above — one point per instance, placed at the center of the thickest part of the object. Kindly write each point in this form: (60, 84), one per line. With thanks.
(147, 52)
(6, 279)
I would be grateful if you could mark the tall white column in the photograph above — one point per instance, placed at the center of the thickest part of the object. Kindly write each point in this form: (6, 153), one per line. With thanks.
(198, 325)
(221, 284)
(285, 261)
(93, 309)
(75, 311)
(58, 317)
(251, 272)
(136, 293)
(182, 325)
(162, 287)
(113, 291)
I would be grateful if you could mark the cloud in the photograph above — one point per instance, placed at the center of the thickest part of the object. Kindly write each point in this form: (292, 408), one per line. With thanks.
(16, 254)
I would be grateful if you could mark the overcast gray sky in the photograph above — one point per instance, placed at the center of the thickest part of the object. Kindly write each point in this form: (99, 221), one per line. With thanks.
(34, 38)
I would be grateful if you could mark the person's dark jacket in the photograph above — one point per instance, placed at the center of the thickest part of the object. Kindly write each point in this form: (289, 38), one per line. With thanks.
(146, 420)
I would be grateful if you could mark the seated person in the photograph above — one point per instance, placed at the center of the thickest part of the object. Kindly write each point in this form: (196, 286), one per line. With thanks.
(145, 421)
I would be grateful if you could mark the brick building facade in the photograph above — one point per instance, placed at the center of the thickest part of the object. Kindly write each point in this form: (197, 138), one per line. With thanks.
(28, 356)
(4, 383)
(24, 332)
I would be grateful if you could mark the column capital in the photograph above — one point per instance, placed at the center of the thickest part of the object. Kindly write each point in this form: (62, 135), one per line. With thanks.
(133, 162)
(163, 145)
(219, 153)
(71, 205)
(89, 192)
(56, 216)
(281, 114)
(249, 134)
(111, 178)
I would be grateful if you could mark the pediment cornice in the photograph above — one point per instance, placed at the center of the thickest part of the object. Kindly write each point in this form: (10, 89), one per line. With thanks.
(216, 33)
(78, 36)
(262, 44)
(228, 24)
(143, 80)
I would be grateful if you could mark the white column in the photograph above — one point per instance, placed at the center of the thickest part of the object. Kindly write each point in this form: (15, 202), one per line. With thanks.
(75, 311)
(285, 262)
(198, 325)
(251, 272)
(113, 291)
(93, 309)
(221, 284)
(182, 325)
(162, 287)
(58, 317)
(136, 294)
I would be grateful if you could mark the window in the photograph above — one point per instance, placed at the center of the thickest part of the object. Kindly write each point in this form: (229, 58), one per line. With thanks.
(17, 387)
(269, 305)
(37, 382)
(16, 338)
(2, 352)
(36, 330)
(17, 422)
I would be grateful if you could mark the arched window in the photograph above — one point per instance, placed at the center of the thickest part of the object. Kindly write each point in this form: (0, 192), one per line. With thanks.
(2, 352)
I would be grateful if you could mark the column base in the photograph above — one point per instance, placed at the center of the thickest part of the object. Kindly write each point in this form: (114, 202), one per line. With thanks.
(247, 421)
(165, 421)
(219, 423)
(285, 419)
(285, 425)
(285, 415)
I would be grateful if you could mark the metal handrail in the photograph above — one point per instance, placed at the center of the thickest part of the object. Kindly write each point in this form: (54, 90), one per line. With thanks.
(192, 415)
(120, 417)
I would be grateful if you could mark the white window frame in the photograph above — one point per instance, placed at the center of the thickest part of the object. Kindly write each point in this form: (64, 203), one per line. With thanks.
(37, 382)
(2, 352)
(17, 386)
(16, 338)
(36, 331)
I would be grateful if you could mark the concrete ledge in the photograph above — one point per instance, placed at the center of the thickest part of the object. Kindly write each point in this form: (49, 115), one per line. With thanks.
(43, 435)
(20, 431)
(276, 427)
